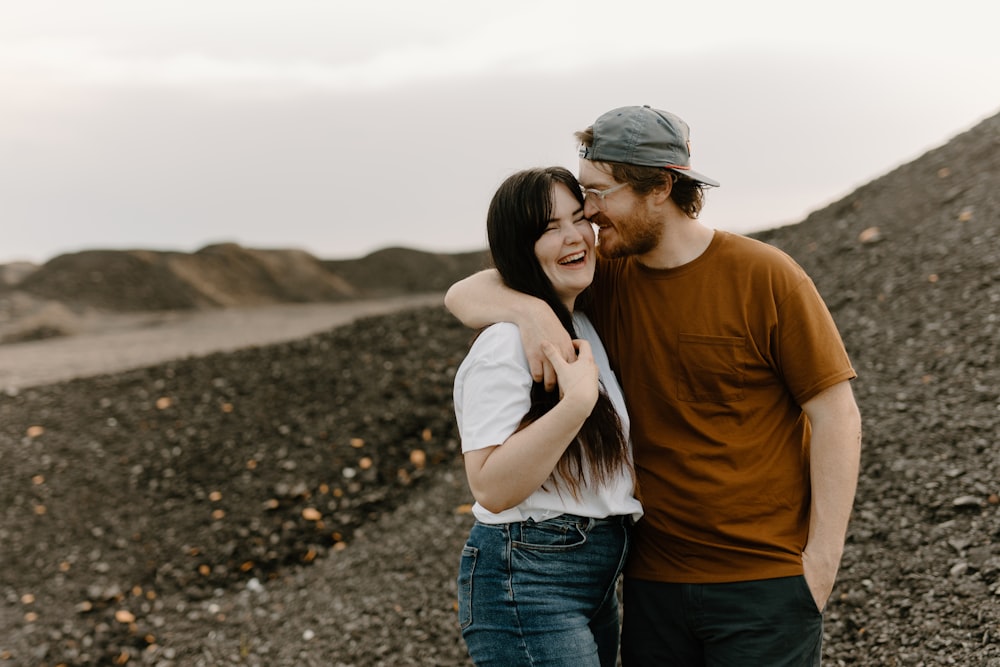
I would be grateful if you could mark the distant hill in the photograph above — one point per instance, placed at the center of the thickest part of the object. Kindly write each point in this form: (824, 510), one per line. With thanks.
(228, 275)
(15, 272)
(401, 270)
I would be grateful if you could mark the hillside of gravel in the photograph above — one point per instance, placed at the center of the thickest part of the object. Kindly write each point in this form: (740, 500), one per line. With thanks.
(910, 268)
(303, 503)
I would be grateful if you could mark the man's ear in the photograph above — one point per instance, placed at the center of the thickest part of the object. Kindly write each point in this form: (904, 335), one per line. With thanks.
(661, 194)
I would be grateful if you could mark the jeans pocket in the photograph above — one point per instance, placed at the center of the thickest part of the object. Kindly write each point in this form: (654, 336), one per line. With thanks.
(552, 535)
(466, 569)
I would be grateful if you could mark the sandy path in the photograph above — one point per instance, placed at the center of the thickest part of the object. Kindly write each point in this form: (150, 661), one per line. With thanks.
(122, 342)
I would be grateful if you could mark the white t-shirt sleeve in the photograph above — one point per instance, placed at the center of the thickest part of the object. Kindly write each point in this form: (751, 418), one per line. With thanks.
(492, 388)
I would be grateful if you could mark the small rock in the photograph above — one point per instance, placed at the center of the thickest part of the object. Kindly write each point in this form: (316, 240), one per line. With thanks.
(870, 235)
(124, 616)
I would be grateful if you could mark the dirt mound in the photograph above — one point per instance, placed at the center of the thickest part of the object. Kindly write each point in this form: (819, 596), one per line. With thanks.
(228, 275)
(14, 272)
(242, 508)
(215, 276)
(394, 270)
(112, 280)
(47, 319)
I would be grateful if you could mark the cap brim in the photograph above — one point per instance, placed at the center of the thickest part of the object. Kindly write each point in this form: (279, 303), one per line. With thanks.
(695, 176)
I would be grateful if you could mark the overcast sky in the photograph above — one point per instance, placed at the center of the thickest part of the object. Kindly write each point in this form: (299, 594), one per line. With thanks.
(344, 127)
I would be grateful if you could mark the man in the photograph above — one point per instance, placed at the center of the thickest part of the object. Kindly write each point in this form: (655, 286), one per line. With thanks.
(746, 433)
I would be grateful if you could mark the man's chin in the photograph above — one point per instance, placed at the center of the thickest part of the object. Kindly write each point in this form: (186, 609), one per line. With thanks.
(609, 249)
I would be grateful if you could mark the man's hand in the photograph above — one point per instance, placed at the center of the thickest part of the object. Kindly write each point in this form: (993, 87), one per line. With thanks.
(820, 574)
(483, 299)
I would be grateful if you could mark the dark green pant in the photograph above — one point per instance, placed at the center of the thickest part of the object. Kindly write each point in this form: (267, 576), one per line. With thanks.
(770, 622)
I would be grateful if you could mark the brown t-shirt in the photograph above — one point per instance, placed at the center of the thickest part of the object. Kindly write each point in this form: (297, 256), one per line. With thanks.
(716, 357)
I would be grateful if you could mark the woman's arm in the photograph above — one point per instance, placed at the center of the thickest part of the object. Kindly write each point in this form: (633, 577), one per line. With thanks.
(503, 476)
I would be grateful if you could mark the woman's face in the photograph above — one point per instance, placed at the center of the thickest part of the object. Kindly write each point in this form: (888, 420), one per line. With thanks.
(565, 250)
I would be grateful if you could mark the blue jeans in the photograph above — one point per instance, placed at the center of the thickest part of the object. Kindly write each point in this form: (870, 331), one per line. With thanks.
(543, 593)
(771, 622)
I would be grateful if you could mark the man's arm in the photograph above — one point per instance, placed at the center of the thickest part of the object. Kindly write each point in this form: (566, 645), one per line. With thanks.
(483, 299)
(835, 454)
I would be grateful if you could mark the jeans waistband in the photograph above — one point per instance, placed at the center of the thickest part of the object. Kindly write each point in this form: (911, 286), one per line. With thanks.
(622, 519)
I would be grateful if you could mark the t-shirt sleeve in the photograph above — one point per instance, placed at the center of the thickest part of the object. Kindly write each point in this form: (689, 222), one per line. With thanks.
(811, 354)
(493, 388)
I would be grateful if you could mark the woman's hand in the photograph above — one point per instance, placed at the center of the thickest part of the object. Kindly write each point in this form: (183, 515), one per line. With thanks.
(578, 379)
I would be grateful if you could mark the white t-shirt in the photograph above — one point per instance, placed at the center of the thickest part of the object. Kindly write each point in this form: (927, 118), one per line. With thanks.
(492, 395)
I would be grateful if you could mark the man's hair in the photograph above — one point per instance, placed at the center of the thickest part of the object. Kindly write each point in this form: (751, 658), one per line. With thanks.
(689, 195)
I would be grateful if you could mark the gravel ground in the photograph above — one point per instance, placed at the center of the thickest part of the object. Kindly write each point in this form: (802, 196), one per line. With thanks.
(303, 503)
(158, 515)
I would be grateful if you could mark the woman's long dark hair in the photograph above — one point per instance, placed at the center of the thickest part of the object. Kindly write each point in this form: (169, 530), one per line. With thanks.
(518, 215)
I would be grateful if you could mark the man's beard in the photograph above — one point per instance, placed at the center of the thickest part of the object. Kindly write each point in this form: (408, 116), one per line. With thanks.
(634, 234)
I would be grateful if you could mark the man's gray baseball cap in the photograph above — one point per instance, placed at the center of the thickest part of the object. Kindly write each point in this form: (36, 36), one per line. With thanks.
(645, 137)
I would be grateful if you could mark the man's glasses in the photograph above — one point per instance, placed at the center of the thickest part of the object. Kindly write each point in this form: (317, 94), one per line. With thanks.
(597, 196)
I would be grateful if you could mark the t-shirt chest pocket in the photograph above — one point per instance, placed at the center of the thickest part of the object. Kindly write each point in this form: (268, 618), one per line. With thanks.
(711, 368)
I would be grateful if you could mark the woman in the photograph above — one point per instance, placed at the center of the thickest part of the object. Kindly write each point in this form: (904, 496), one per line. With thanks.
(550, 471)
